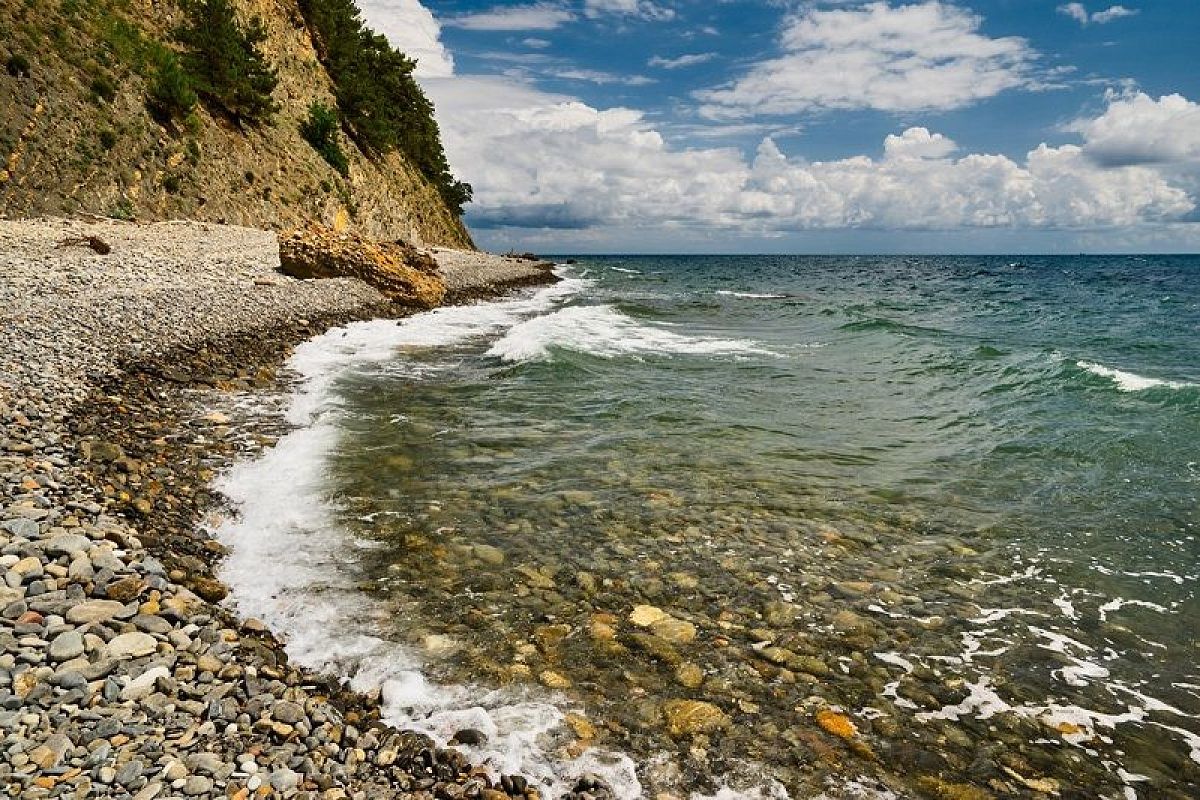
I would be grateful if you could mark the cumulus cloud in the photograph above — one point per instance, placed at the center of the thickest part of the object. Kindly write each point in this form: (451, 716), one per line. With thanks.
(1076, 11)
(1113, 12)
(412, 29)
(1079, 13)
(547, 161)
(533, 17)
(686, 60)
(927, 55)
(1137, 129)
(918, 143)
(645, 9)
(550, 161)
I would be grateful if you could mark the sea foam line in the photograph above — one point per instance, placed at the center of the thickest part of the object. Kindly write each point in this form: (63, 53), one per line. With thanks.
(1130, 381)
(604, 331)
(287, 560)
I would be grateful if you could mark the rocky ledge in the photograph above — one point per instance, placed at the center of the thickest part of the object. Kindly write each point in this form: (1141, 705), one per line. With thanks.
(397, 269)
(121, 675)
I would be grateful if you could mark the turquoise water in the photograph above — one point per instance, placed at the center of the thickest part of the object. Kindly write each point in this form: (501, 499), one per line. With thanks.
(950, 500)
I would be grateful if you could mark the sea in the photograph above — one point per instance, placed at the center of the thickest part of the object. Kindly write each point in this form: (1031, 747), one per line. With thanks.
(759, 526)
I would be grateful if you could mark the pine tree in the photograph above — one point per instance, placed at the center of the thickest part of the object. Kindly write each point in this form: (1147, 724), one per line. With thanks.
(381, 103)
(225, 63)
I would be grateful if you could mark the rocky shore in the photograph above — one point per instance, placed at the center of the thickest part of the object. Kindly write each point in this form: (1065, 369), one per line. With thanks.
(121, 675)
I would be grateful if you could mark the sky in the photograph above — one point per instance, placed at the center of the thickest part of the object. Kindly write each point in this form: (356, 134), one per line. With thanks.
(790, 126)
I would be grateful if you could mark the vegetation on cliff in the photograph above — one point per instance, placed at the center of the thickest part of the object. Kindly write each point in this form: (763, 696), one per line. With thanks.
(124, 108)
(320, 130)
(223, 60)
(381, 103)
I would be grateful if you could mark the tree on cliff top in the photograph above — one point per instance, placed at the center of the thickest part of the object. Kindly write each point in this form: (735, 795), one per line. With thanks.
(223, 59)
(382, 106)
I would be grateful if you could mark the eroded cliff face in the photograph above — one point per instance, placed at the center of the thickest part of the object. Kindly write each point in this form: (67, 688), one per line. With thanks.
(76, 135)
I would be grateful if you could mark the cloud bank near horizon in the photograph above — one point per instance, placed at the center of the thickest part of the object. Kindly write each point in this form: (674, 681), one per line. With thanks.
(549, 162)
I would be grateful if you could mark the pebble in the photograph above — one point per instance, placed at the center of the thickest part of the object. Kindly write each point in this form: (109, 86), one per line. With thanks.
(690, 717)
(116, 680)
(66, 646)
(94, 611)
(143, 684)
(131, 645)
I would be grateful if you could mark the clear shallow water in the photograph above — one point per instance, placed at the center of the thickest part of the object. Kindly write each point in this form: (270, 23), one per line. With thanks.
(952, 500)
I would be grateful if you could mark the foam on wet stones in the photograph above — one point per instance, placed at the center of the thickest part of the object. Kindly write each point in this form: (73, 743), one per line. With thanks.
(117, 677)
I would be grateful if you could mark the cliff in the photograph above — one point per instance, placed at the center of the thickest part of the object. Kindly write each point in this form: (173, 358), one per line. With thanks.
(77, 137)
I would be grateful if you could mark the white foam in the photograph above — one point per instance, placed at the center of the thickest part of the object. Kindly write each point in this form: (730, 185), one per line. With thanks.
(1120, 602)
(772, 790)
(989, 615)
(983, 703)
(751, 295)
(897, 660)
(1129, 381)
(604, 331)
(1066, 607)
(287, 554)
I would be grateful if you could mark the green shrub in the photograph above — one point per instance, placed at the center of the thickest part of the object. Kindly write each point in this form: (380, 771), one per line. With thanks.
(103, 88)
(381, 103)
(108, 139)
(222, 58)
(172, 183)
(321, 130)
(17, 66)
(122, 210)
(170, 94)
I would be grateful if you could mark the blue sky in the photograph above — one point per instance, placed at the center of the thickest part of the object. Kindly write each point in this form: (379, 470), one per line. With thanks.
(764, 125)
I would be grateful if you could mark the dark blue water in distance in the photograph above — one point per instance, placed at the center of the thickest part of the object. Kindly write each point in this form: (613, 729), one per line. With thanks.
(914, 525)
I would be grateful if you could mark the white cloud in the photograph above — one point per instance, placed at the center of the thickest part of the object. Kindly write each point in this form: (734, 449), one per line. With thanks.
(918, 143)
(600, 77)
(1137, 129)
(1075, 11)
(646, 9)
(687, 60)
(1079, 13)
(534, 17)
(536, 44)
(1113, 12)
(413, 30)
(928, 55)
(552, 162)
(542, 161)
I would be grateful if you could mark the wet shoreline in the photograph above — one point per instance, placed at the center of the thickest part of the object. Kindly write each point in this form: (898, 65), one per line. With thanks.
(121, 673)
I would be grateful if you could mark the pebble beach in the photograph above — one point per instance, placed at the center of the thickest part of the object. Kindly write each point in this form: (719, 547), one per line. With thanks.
(121, 672)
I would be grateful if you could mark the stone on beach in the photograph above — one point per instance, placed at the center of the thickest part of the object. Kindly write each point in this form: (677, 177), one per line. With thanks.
(131, 645)
(690, 717)
(115, 679)
(94, 611)
(645, 616)
(402, 272)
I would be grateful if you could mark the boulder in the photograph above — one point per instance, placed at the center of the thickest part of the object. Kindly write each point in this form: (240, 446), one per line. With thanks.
(402, 272)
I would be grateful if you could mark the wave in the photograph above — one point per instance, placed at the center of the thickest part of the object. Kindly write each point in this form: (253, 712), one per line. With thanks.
(288, 554)
(606, 332)
(626, 270)
(890, 326)
(752, 295)
(1130, 381)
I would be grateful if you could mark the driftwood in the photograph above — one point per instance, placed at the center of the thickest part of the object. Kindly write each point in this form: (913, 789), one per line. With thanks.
(95, 242)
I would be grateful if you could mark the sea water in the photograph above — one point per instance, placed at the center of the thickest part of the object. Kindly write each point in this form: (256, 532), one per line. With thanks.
(904, 525)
